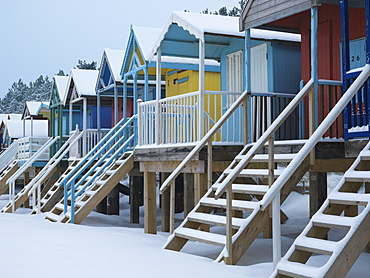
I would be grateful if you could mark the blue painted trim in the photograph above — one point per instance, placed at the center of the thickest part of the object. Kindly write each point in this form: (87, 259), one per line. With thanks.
(183, 80)
(172, 72)
(247, 77)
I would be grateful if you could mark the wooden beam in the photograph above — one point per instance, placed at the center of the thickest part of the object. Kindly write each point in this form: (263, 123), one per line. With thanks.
(150, 209)
(188, 193)
(169, 166)
(165, 205)
(136, 195)
(26, 176)
(318, 191)
(331, 165)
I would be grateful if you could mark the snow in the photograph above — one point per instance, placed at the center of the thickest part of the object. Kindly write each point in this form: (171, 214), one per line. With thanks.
(84, 81)
(115, 60)
(146, 37)
(109, 246)
(61, 84)
(15, 128)
(363, 128)
(201, 24)
(33, 108)
(191, 61)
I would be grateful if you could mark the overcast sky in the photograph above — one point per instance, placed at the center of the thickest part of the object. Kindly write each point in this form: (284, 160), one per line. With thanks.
(42, 36)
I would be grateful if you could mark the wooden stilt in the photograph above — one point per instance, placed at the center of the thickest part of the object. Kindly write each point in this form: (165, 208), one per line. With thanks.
(165, 206)
(150, 215)
(136, 187)
(113, 201)
(318, 191)
(26, 175)
(188, 193)
(102, 207)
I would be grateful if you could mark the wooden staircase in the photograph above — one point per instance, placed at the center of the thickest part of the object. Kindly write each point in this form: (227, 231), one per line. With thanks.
(346, 210)
(90, 196)
(6, 173)
(248, 220)
(55, 193)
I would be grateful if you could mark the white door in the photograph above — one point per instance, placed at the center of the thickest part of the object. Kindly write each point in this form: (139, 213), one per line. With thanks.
(261, 106)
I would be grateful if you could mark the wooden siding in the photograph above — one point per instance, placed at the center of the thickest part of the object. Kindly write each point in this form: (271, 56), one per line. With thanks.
(260, 12)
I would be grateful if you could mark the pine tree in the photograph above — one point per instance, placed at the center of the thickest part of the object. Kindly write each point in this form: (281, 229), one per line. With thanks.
(84, 65)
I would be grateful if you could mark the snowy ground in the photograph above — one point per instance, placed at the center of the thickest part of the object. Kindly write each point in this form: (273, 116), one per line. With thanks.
(109, 246)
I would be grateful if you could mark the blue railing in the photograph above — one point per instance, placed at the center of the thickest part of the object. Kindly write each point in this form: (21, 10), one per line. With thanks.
(356, 114)
(117, 141)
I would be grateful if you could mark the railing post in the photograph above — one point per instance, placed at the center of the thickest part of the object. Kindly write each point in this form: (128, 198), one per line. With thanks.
(311, 122)
(209, 166)
(246, 120)
(201, 88)
(229, 226)
(158, 121)
(139, 123)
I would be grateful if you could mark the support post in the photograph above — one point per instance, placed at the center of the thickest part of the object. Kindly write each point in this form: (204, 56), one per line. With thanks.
(209, 166)
(229, 230)
(200, 186)
(248, 86)
(98, 115)
(314, 61)
(84, 149)
(113, 201)
(115, 103)
(367, 190)
(136, 197)
(318, 191)
(150, 209)
(188, 193)
(201, 89)
(158, 96)
(146, 85)
(276, 230)
(165, 205)
(70, 116)
(172, 207)
(135, 93)
(124, 112)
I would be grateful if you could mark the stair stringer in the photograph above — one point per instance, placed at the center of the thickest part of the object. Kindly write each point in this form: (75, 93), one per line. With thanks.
(56, 191)
(8, 171)
(245, 237)
(22, 196)
(347, 250)
(252, 227)
(84, 208)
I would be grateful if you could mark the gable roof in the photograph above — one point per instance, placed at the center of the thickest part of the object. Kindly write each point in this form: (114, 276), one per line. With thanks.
(82, 82)
(33, 108)
(61, 85)
(115, 60)
(14, 128)
(201, 25)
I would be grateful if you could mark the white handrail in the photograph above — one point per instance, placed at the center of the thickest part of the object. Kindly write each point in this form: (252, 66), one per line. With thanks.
(8, 155)
(203, 142)
(263, 139)
(36, 181)
(315, 137)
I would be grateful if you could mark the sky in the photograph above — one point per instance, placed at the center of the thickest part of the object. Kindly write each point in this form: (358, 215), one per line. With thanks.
(39, 37)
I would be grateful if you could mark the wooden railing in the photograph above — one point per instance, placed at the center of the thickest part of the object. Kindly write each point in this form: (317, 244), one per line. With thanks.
(88, 141)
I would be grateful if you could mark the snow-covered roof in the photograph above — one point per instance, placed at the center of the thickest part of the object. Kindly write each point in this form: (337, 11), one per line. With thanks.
(84, 82)
(33, 108)
(15, 116)
(15, 128)
(146, 38)
(200, 24)
(182, 60)
(61, 84)
(115, 60)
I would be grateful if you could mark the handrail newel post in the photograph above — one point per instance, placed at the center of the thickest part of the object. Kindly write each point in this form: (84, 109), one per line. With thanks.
(209, 163)
(229, 227)
(172, 207)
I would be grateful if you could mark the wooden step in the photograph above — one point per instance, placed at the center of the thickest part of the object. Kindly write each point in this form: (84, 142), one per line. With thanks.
(204, 237)
(213, 219)
(355, 199)
(236, 204)
(265, 157)
(251, 189)
(357, 176)
(333, 221)
(263, 173)
(315, 245)
(297, 270)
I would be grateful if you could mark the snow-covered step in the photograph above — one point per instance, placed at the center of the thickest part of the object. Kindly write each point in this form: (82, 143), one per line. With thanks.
(333, 221)
(365, 155)
(205, 237)
(265, 157)
(255, 172)
(236, 204)
(250, 189)
(52, 216)
(297, 270)
(314, 245)
(357, 176)
(213, 219)
(355, 199)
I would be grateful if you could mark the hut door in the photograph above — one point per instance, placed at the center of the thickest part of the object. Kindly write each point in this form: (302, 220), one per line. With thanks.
(234, 66)
(261, 105)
